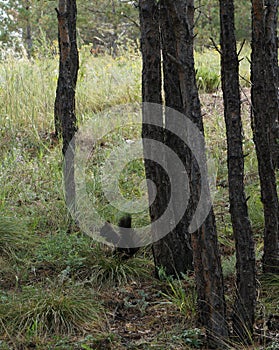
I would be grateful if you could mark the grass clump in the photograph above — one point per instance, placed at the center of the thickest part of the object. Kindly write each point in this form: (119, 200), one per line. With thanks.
(181, 293)
(14, 237)
(270, 295)
(47, 310)
(207, 80)
(228, 266)
(111, 269)
(207, 70)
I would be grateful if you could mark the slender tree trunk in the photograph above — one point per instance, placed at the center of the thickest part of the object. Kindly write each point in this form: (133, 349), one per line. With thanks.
(243, 315)
(181, 92)
(152, 93)
(172, 251)
(263, 111)
(113, 42)
(28, 34)
(151, 53)
(64, 110)
(271, 61)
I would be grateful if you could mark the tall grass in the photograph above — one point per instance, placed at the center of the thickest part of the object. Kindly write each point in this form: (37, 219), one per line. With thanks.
(32, 192)
(48, 310)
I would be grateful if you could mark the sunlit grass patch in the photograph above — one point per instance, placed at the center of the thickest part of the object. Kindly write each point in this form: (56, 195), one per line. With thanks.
(105, 82)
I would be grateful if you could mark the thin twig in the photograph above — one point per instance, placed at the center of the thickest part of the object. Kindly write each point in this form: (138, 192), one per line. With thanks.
(247, 81)
(241, 47)
(130, 19)
(172, 58)
(216, 47)
(196, 21)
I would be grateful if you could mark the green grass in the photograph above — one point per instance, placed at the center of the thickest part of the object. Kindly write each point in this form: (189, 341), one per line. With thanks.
(113, 271)
(54, 280)
(50, 309)
(180, 293)
(13, 235)
(208, 69)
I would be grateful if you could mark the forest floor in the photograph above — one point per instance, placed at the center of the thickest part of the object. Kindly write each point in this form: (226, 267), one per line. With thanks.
(59, 289)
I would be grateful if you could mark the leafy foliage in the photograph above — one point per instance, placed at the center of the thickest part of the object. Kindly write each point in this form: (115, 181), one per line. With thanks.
(105, 25)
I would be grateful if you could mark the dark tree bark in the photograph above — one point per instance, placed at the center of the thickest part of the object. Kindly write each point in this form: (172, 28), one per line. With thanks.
(206, 256)
(64, 110)
(181, 93)
(151, 93)
(151, 53)
(28, 34)
(271, 61)
(264, 111)
(243, 315)
(172, 251)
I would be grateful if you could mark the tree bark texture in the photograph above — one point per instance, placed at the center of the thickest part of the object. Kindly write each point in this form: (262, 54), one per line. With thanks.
(177, 243)
(28, 33)
(264, 102)
(243, 315)
(64, 110)
(176, 26)
(271, 62)
(172, 251)
(206, 256)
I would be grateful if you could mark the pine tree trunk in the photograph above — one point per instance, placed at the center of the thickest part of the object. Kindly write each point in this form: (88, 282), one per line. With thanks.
(64, 110)
(175, 249)
(263, 96)
(243, 315)
(271, 61)
(172, 251)
(152, 93)
(28, 34)
(181, 92)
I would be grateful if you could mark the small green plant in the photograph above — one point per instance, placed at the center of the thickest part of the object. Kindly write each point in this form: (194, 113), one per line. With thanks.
(228, 266)
(182, 296)
(207, 80)
(140, 303)
(63, 250)
(191, 337)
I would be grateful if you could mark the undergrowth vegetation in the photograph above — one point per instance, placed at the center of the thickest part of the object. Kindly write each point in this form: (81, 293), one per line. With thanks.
(59, 288)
